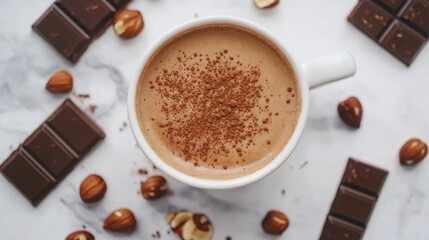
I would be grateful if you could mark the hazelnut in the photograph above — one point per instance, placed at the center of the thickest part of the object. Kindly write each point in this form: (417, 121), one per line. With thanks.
(266, 3)
(92, 189)
(275, 223)
(190, 226)
(154, 188)
(413, 152)
(121, 220)
(80, 235)
(128, 23)
(60, 82)
(350, 111)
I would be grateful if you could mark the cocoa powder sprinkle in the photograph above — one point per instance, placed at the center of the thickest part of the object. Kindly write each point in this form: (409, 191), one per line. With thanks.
(210, 106)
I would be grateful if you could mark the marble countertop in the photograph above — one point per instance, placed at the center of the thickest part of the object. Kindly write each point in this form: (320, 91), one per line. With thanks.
(394, 97)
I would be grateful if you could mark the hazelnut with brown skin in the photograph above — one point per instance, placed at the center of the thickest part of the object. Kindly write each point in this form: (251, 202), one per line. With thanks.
(60, 82)
(80, 235)
(350, 111)
(275, 222)
(128, 23)
(413, 152)
(92, 189)
(154, 187)
(121, 220)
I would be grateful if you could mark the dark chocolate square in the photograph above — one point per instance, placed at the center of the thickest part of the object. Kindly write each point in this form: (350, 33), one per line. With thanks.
(27, 176)
(370, 19)
(75, 128)
(118, 4)
(50, 152)
(336, 229)
(93, 16)
(364, 177)
(354, 206)
(392, 5)
(403, 42)
(62, 33)
(416, 14)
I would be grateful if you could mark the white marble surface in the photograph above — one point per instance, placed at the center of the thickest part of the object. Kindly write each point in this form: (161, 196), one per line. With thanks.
(395, 100)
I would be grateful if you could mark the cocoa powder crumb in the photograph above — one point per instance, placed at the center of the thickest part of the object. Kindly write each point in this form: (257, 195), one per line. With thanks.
(92, 108)
(83, 95)
(142, 171)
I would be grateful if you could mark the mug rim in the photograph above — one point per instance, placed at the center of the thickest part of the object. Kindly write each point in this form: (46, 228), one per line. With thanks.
(204, 183)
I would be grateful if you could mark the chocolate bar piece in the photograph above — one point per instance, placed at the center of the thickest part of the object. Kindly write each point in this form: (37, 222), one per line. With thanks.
(51, 152)
(62, 33)
(28, 176)
(93, 16)
(353, 204)
(399, 26)
(403, 42)
(416, 14)
(71, 25)
(370, 19)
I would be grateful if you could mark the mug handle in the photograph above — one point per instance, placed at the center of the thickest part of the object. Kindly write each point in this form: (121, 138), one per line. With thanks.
(330, 68)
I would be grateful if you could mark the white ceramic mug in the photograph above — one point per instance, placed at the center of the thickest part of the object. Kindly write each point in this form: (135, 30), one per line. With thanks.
(309, 75)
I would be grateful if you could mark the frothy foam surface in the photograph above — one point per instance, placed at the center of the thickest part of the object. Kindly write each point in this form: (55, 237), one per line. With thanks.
(218, 102)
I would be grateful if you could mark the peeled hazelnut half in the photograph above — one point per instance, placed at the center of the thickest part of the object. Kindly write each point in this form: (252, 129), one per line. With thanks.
(121, 220)
(413, 152)
(190, 226)
(92, 189)
(266, 3)
(80, 235)
(60, 82)
(350, 111)
(154, 188)
(275, 223)
(128, 23)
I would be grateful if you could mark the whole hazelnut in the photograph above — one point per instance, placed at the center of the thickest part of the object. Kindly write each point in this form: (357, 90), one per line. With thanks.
(413, 152)
(275, 222)
(266, 3)
(128, 23)
(350, 111)
(92, 189)
(154, 188)
(60, 82)
(121, 220)
(80, 235)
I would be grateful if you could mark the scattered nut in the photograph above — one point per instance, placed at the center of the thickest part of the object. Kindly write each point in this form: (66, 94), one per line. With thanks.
(92, 189)
(266, 3)
(275, 223)
(350, 111)
(128, 23)
(154, 188)
(413, 152)
(190, 226)
(121, 220)
(80, 235)
(60, 82)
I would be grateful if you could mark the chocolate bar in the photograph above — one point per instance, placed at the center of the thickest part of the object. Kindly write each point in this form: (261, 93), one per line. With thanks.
(71, 25)
(352, 207)
(399, 26)
(51, 152)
